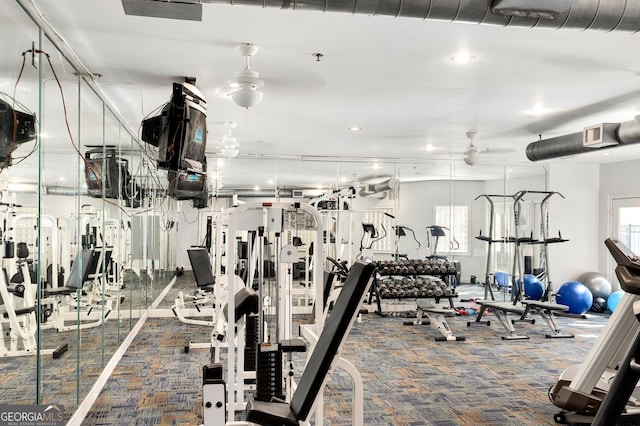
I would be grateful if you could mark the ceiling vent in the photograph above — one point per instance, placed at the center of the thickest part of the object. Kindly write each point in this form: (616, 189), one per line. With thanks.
(600, 135)
(185, 10)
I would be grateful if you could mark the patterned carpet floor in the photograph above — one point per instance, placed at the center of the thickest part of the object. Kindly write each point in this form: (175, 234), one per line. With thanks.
(409, 378)
(67, 380)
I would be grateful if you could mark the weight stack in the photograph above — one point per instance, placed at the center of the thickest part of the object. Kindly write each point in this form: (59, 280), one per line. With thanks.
(252, 337)
(269, 373)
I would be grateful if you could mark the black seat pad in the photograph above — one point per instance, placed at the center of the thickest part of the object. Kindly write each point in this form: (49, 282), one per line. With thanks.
(269, 413)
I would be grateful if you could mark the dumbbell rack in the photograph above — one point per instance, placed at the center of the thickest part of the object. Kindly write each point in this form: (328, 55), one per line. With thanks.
(412, 279)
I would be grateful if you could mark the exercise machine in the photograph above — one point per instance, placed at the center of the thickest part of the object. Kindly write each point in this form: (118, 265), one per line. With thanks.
(401, 231)
(436, 232)
(323, 359)
(81, 301)
(276, 223)
(615, 404)
(337, 216)
(202, 298)
(22, 320)
(519, 309)
(581, 389)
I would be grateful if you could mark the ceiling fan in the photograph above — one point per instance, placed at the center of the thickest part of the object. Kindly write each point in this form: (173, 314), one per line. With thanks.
(472, 154)
(229, 146)
(248, 91)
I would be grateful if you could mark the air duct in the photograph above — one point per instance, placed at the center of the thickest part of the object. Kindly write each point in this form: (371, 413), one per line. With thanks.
(379, 189)
(610, 135)
(605, 15)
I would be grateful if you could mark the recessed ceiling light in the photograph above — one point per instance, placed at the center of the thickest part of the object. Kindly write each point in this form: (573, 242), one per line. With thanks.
(256, 188)
(463, 58)
(538, 110)
(376, 166)
(429, 147)
(270, 181)
(606, 153)
(355, 129)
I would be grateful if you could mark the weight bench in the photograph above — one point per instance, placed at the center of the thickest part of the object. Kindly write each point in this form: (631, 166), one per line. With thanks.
(436, 316)
(546, 311)
(523, 309)
(502, 310)
(322, 359)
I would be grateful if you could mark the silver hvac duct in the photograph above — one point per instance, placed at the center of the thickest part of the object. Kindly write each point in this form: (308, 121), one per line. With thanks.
(379, 189)
(605, 15)
(611, 136)
(249, 193)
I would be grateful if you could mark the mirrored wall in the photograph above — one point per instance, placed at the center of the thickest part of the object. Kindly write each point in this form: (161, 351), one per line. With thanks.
(85, 249)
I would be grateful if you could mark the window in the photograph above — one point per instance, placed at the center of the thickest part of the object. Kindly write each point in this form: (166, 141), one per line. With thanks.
(456, 237)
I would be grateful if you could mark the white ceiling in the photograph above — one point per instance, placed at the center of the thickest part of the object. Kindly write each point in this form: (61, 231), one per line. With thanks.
(393, 77)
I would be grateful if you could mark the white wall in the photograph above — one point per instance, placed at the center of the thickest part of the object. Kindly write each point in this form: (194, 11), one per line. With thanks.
(577, 217)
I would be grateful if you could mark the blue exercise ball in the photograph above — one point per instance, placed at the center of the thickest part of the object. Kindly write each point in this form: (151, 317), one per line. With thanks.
(533, 287)
(576, 296)
(614, 299)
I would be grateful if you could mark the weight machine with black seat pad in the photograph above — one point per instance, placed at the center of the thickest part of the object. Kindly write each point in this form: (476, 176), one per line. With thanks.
(59, 301)
(73, 282)
(22, 325)
(203, 296)
(322, 360)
